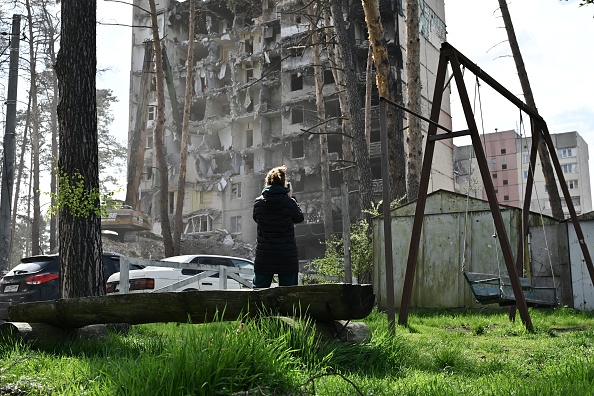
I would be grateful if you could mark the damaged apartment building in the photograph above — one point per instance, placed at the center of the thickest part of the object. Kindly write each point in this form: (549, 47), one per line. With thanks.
(253, 98)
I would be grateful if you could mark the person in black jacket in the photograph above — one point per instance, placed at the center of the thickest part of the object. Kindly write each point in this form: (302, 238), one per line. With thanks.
(275, 212)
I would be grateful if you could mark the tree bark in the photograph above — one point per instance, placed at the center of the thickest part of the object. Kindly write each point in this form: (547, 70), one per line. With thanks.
(545, 160)
(19, 177)
(349, 174)
(54, 132)
(386, 83)
(158, 139)
(35, 225)
(76, 67)
(181, 185)
(138, 134)
(413, 85)
(356, 118)
(321, 115)
(368, 91)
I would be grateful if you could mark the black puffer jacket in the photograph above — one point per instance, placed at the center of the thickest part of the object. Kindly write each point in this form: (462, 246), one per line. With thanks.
(276, 248)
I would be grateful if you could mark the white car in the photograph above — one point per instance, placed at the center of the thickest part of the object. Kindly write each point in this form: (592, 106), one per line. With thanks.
(154, 279)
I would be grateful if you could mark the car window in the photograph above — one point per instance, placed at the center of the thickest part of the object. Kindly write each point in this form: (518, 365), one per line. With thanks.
(36, 266)
(241, 263)
(215, 261)
(111, 265)
(190, 272)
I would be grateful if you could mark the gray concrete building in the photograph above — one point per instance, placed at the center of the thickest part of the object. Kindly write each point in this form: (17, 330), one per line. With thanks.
(253, 97)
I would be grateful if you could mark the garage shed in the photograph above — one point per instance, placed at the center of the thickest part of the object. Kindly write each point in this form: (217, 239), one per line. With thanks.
(458, 234)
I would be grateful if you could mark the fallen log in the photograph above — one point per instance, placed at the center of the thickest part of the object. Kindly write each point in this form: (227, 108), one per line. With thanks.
(322, 303)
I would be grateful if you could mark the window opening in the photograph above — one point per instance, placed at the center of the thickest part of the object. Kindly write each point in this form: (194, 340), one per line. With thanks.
(171, 202)
(297, 115)
(297, 150)
(236, 224)
(236, 190)
(249, 138)
(296, 82)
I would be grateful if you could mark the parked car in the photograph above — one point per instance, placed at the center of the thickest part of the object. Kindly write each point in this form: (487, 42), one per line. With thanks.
(37, 278)
(152, 278)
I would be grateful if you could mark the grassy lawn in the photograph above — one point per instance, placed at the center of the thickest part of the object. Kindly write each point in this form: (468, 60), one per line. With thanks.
(439, 353)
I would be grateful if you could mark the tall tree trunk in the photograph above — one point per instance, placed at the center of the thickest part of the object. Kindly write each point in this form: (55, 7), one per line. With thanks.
(368, 92)
(20, 169)
(349, 173)
(181, 185)
(35, 240)
(53, 179)
(158, 139)
(386, 83)
(76, 67)
(545, 160)
(50, 36)
(321, 118)
(356, 118)
(138, 135)
(413, 90)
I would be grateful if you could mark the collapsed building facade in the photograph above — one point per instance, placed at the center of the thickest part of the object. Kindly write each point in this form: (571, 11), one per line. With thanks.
(253, 102)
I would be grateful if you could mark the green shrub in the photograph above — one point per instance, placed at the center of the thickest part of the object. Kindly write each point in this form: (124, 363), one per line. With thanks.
(332, 264)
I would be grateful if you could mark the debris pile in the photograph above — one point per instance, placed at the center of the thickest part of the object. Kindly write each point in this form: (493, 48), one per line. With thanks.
(150, 246)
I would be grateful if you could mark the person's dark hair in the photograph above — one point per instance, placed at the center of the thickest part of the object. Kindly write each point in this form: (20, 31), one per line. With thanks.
(276, 176)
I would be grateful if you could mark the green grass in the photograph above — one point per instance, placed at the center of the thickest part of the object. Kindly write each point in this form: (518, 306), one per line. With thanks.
(447, 352)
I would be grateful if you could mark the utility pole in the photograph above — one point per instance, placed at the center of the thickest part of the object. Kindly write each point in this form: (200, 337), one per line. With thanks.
(9, 147)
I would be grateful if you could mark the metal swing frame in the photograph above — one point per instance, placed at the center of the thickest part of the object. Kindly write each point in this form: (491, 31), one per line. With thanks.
(448, 54)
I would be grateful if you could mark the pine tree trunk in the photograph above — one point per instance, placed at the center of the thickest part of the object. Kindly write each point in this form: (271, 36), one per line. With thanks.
(368, 91)
(20, 170)
(53, 180)
(35, 225)
(76, 67)
(356, 118)
(321, 118)
(138, 134)
(386, 83)
(413, 84)
(181, 185)
(50, 37)
(349, 174)
(158, 139)
(545, 160)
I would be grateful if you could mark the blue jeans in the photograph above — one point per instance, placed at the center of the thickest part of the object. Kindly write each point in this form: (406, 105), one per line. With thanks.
(264, 280)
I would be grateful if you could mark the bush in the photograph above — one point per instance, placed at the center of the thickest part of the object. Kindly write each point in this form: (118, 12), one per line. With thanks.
(332, 264)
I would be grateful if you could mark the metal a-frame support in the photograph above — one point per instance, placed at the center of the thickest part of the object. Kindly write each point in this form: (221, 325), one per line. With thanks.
(449, 54)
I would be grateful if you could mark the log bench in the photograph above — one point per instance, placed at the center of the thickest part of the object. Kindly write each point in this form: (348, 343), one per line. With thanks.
(324, 304)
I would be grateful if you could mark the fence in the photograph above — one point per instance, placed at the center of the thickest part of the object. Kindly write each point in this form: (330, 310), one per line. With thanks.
(224, 272)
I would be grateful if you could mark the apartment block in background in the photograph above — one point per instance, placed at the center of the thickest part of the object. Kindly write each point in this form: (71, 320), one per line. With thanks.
(508, 157)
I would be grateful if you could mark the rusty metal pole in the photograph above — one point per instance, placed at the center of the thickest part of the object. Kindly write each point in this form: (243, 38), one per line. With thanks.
(413, 251)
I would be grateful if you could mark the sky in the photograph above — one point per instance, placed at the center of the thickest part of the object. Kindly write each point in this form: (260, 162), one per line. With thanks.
(114, 46)
(554, 38)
